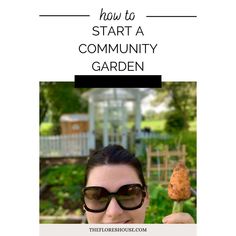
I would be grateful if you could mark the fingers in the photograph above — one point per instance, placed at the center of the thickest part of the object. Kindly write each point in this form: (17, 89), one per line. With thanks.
(178, 218)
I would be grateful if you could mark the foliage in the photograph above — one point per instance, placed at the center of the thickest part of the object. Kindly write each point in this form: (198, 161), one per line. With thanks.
(161, 205)
(43, 106)
(64, 184)
(150, 115)
(159, 124)
(181, 99)
(175, 121)
(46, 129)
(173, 141)
(66, 181)
(193, 126)
(57, 98)
(154, 125)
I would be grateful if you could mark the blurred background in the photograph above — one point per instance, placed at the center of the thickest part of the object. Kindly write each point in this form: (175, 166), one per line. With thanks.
(157, 124)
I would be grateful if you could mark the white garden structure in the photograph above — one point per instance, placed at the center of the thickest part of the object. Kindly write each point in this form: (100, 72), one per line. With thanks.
(109, 109)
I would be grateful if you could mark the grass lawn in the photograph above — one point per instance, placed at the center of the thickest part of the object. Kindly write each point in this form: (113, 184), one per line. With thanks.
(155, 125)
(193, 126)
(159, 125)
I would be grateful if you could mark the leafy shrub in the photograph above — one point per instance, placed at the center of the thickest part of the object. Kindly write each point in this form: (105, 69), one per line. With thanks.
(46, 129)
(173, 141)
(161, 205)
(63, 189)
(175, 122)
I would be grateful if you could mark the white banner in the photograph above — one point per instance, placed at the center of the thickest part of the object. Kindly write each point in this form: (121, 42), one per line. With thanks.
(130, 229)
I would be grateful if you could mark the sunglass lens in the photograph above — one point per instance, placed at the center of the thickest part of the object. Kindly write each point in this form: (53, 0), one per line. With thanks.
(96, 198)
(130, 196)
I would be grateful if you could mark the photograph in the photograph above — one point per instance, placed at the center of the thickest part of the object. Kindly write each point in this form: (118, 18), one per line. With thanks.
(118, 117)
(118, 155)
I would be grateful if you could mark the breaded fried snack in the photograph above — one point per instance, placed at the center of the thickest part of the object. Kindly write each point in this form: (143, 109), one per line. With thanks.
(179, 188)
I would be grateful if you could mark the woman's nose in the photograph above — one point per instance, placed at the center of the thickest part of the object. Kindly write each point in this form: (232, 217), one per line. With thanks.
(113, 208)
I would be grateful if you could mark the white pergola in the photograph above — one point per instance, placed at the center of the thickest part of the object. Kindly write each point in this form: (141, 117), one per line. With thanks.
(113, 106)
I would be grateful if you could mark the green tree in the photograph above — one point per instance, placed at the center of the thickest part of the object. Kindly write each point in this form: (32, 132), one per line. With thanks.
(57, 98)
(181, 99)
(43, 105)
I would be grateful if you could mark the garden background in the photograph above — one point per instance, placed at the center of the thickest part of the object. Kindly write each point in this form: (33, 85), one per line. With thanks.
(61, 181)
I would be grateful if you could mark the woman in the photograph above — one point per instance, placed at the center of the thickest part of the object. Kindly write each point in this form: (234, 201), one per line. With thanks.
(116, 192)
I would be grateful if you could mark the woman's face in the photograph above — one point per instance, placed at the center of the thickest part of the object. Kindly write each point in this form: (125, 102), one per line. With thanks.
(112, 177)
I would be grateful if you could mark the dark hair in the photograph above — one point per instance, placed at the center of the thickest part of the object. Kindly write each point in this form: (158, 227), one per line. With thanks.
(114, 155)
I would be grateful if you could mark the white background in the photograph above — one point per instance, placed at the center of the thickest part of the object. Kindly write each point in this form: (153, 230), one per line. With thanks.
(34, 49)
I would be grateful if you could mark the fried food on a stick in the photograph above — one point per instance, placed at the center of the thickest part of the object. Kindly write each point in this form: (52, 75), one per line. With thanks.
(179, 188)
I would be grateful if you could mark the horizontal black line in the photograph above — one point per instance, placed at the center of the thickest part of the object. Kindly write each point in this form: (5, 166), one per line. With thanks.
(171, 16)
(64, 15)
(117, 81)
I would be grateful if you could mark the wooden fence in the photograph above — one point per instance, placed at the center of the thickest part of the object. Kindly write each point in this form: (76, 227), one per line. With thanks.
(165, 162)
(64, 145)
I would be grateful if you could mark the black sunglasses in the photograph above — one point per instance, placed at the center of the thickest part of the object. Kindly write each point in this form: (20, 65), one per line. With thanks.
(129, 197)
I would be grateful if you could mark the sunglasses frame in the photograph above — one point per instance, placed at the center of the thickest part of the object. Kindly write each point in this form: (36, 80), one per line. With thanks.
(114, 194)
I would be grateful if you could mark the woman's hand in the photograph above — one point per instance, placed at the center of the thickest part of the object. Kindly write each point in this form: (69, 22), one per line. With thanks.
(178, 218)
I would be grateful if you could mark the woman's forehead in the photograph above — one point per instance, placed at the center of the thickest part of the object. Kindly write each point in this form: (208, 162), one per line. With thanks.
(112, 177)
